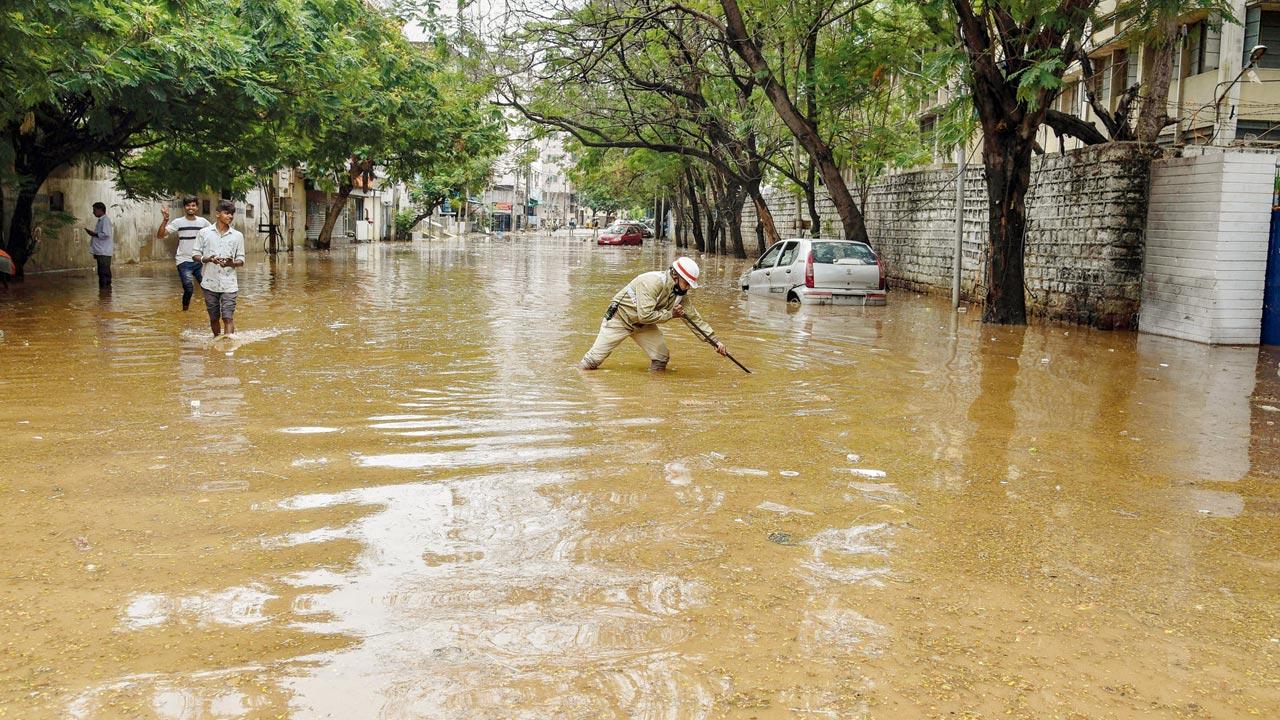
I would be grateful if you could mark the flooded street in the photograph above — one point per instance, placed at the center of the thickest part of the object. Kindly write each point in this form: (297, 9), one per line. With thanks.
(393, 497)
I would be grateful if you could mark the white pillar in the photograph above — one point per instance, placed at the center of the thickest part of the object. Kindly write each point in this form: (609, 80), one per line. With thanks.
(1230, 56)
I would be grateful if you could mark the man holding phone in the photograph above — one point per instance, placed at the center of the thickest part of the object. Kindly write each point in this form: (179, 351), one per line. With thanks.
(220, 250)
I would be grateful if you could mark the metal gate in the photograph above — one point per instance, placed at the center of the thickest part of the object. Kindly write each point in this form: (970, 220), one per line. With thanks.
(1271, 290)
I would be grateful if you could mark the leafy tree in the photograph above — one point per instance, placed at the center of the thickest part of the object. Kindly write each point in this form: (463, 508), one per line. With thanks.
(182, 95)
(455, 178)
(1016, 53)
(117, 79)
(648, 76)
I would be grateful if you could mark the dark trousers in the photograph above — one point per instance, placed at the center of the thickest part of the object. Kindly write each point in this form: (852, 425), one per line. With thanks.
(189, 273)
(104, 270)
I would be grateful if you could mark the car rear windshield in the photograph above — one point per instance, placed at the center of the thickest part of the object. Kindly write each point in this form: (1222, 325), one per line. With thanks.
(829, 252)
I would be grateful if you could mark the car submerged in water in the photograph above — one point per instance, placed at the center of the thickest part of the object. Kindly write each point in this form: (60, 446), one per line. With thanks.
(622, 233)
(818, 271)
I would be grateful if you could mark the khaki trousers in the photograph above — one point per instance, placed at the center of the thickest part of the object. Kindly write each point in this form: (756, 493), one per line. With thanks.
(613, 332)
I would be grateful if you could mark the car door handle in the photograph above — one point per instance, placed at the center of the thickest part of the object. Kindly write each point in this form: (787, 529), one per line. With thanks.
(788, 271)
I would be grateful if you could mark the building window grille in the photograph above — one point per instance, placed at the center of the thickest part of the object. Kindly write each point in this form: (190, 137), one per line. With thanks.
(1262, 27)
(1203, 42)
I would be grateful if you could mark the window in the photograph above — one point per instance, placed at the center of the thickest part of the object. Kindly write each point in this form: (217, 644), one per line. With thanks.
(1203, 41)
(789, 254)
(1069, 97)
(827, 253)
(1119, 76)
(769, 258)
(1262, 27)
(1099, 83)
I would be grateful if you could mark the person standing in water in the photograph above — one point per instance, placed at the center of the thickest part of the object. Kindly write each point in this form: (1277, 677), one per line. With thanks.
(647, 301)
(187, 227)
(219, 249)
(101, 245)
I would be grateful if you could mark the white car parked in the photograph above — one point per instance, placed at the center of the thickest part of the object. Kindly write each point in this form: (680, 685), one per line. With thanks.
(819, 271)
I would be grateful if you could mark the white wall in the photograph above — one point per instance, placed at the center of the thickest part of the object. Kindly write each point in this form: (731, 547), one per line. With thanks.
(1208, 222)
(134, 221)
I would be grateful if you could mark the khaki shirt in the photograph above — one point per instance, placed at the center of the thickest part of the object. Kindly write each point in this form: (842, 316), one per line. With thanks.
(649, 298)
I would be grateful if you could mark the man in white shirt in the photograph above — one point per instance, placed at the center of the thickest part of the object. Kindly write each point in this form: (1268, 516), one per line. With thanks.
(187, 227)
(101, 245)
(220, 250)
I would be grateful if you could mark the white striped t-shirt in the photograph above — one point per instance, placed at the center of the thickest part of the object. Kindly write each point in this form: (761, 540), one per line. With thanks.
(187, 231)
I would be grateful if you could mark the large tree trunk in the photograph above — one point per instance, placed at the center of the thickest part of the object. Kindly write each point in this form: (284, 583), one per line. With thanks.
(695, 218)
(733, 202)
(805, 131)
(766, 229)
(20, 240)
(1007, 161)
(1152, 111)
(712, 191)
(21, 228)
(811, 200)
(331, 213)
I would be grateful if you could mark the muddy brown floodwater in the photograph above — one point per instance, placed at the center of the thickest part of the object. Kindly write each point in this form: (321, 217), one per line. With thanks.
(394, 498)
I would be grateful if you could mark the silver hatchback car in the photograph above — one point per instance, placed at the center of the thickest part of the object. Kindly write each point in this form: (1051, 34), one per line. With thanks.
(819, 271)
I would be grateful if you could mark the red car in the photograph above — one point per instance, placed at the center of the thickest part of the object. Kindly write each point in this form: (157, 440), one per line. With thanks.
(621, 234)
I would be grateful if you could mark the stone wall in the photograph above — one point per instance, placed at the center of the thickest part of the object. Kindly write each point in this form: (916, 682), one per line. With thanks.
(1086, 212)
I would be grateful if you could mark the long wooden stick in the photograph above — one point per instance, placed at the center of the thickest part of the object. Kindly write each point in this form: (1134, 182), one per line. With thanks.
(711, 342)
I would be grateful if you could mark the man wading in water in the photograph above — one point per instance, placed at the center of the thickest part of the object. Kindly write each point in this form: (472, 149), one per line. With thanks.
(652, 298)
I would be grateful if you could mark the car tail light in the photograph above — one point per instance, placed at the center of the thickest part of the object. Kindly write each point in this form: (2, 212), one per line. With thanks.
(880, 264)
(808, 270)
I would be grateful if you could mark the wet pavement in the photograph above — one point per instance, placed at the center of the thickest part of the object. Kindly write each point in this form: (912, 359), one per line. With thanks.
(391, 497)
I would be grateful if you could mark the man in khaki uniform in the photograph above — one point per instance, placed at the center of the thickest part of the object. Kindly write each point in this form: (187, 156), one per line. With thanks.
(651, 298)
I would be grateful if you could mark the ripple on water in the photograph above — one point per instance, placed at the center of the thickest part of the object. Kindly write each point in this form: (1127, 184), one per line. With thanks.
(308, 430)
(233, 606)
(526, 633)
(467, 458)
(848, 555)
(843, 628)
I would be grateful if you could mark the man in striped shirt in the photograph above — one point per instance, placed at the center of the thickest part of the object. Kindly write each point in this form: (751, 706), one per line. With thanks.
(187, 227)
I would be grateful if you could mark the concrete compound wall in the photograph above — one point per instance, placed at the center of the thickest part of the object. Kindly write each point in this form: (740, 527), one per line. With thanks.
(134, 221)
(1085, 215)
(1207, 235)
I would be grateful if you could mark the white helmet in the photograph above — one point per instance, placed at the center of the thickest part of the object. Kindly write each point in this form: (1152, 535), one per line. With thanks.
(687, 269)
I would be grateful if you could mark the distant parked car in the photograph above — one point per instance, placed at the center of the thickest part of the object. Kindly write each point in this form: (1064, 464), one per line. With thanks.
(621, 233)
(818, 271)
(646, 228)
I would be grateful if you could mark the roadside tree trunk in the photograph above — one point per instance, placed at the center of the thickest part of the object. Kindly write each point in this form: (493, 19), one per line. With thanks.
(695, 217)
(1007, 161)
(733, 202)
(811, 200)
(1152, 110)
(20, 239)
(766, 229)
(325, 239)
